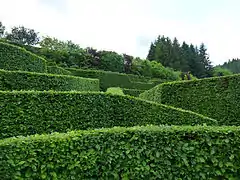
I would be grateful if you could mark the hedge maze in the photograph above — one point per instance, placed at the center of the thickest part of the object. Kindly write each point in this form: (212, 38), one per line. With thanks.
(58, 123)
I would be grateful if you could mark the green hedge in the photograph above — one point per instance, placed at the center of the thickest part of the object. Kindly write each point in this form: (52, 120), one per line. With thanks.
(25, 113)
(115, 90)
(217, 98)
(16, 58)
(57, 70)
(112, 79)
(21, 80)
(125, 153)
(153, 94)
(132, 92)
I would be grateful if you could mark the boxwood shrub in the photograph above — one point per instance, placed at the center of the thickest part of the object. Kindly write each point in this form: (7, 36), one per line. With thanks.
(217, 97)
(16, 58)
(112, 79)
(57, 70)
(22, 80)
(125, 153)
(25, 113)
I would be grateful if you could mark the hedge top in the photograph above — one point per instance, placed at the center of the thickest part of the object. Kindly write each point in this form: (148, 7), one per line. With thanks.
(148, 128)
(216, 97)
(30, 112)
(151, 152)
(22, 80)
(16, 58)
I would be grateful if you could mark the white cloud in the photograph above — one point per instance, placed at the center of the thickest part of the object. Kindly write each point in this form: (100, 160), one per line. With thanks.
(126, 26)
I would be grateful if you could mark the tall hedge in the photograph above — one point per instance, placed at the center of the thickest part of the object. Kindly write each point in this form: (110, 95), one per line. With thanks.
(21, 80)
(57, 70)
(112, 79)
(16, 58)
(25, 113)
(217, 98)
(125, 153)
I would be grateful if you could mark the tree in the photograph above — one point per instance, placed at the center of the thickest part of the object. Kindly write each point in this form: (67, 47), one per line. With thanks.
(23, 36)
(232, 65)
(111, 61)
(219, 71)
(195, 66)
(151, 53)
(185, 57)
(128, 61)
(95, 55)
(2, 29)
(176, 55)
(206, 63)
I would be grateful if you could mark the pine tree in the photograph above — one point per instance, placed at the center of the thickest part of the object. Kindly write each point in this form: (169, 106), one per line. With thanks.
(151, 53)
(159, 50)
(194, 62)
(2, 29)
(176, 55)
(185, 56)
(205, 61)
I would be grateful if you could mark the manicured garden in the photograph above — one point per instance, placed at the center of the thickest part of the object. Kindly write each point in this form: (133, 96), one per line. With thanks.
(71, 123)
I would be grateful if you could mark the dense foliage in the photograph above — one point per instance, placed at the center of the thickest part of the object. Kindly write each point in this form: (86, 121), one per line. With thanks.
(217, 98)
(185, 58)
(132, 92)
(16, 58)
(219, 71)
(71, 55)
(153, 69)
(177, 152)
(21, 80)
(57, 70)
(111, 61)
(113, 79)
(22, 35)
(25, 113)
(232, 65)
(107, 61)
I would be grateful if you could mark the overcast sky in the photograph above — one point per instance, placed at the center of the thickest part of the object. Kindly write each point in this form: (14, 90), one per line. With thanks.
(129, 26)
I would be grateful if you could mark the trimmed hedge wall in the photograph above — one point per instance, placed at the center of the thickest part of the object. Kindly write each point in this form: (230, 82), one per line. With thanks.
(132, 92)
(20, 80)
(25, 113)
(57, 70)
(125, 153)
(16, 58)
(217, 98)
(153, 94)
(111, 79)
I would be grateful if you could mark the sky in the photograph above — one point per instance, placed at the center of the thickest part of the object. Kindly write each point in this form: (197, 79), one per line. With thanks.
(129, 26)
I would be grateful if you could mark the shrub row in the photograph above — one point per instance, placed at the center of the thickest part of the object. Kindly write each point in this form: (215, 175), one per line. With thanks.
(25, 113)
(21, 80)
(151, 152)
(132, 92)
(57, 70)
(16, 58)
(217, 98)
(112, 79)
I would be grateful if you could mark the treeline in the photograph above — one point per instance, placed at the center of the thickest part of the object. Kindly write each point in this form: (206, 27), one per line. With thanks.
(69, 54)
(232, 65)
(184, 57)
(167, 59)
